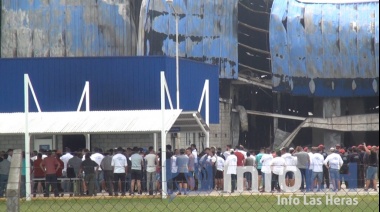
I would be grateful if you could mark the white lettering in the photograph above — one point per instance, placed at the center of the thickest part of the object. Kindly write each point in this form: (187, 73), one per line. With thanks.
(329, 199)
(355, 201)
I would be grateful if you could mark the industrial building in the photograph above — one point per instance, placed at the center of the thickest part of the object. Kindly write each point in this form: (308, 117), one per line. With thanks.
(289, 71)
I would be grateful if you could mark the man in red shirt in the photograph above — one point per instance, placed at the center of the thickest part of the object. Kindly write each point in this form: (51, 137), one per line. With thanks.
(240, 157)
(38, 173)
(50, 165)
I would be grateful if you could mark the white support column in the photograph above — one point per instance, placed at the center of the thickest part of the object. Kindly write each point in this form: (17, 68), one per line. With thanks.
(163, 138)
(27, 137)
(207, 112)
(155, 142)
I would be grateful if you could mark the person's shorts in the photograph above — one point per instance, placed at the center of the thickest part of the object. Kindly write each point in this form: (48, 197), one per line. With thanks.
(371, 173)
(181, 178)
(259, 172)
(158, 176)
(289, 175)
(219, 174)
(334, 174)
(248, 176)
(136, 175)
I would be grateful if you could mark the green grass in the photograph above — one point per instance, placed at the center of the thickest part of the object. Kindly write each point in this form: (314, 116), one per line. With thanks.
(190, 203)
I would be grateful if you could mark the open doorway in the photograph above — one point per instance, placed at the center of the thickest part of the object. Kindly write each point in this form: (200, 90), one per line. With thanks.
(74, 142)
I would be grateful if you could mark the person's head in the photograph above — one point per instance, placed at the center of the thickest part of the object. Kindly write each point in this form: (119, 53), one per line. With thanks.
(267, 151)
(176, 151)
(248, 154)
(232, 151)
(135, 150)
(337, 146)
(291, 150)
(284, 150)
(274, 154)
(67, 150)
(188, 151)
(193, 146)
(10, 152)
(228, 146)
(207, 150)
(332, 149)
(119, 149)
(314, 149)
(169, 147)
(321, 147)
(49, 153)
(87, 156)
(151, 149)
(262, 150)
(278, 153)
(299, 149)
(182, 151)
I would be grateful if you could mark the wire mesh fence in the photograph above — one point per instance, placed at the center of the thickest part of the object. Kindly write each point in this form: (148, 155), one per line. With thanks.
(204, 187)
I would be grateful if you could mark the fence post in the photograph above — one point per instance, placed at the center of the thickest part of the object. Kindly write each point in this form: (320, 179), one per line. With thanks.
(13, 186)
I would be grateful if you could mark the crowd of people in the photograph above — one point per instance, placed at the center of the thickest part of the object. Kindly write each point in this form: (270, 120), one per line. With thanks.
(135, 171)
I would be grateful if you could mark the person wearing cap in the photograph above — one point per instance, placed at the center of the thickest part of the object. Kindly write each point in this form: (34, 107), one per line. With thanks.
(344, 169)
(333, 162)
(371, 167)
(317, 171)
(120, 167)
(231, 165)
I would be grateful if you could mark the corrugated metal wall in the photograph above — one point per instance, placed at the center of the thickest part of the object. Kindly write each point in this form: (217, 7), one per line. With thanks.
(326, 50)
(207, 31)
(72, 28)
(116, 83)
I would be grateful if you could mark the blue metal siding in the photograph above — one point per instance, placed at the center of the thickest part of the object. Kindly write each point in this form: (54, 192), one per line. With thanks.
(339, 43)
(279, 46)
(57, 28)
(116, 83)
(207, 32)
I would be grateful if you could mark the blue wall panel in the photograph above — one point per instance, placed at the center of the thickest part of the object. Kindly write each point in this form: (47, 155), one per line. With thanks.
(57, 28)
(341, 43)
(116, 83)
(207, 32)
(279, 44)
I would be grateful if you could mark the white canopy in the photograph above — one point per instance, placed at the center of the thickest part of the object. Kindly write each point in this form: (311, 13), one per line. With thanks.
(92, 122)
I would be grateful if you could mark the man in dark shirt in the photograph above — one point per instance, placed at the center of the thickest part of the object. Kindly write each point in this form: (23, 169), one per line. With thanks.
(371, 167)
(90, 168)
(353, 163)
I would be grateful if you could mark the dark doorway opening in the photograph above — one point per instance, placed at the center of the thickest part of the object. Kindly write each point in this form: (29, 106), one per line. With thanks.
(74, 142)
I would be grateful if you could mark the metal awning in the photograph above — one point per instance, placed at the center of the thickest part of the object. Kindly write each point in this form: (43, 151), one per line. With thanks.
(100, 122)
(190, 121)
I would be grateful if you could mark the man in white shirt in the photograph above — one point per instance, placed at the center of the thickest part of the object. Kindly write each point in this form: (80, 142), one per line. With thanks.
(231, 164)
(317, 164)
(99, 178)
(227, 152)
(277, 166)
(266, 161)
(219, 171)
(65, 158)
(151, 162)
(120, 167)
(290, 163)
(333, 162)
(195, 153)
